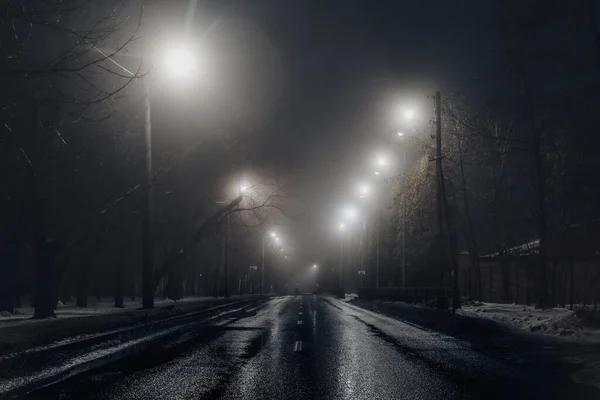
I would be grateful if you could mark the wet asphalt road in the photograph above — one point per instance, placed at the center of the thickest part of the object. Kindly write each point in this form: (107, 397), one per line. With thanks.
(311, 347)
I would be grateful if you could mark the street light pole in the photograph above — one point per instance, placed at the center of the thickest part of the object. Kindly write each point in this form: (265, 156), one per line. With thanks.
(262, 271)
(226, 291)
(403, 204)
(342, 261)
(147, 239)
(380, 206)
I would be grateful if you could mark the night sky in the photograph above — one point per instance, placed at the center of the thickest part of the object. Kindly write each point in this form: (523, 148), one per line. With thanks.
(312, 85)
(343, 64)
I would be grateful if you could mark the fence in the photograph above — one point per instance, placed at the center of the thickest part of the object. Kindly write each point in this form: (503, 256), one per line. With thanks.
(514, 280)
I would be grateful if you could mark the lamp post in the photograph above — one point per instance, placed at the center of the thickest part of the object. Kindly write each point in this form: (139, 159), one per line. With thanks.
(179, 63)
(272, 235)
(381, 163)
(363, 191)
(403, 207)
(342, 228)
(409, 115)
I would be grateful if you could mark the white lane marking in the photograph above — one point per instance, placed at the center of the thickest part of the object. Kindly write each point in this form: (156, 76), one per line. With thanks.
(300, 322)
(300, 313)
(298, 346)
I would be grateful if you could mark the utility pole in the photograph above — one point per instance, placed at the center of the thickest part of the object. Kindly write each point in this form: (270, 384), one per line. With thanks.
(147, 239)
(262, 268)
(380, 205)
(403, 205)
(362, 246)
(443, 212)
(342, 261)
(438, 186)
(226, 291)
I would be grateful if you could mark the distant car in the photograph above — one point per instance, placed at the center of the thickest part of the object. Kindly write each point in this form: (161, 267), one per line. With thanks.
(296, 290)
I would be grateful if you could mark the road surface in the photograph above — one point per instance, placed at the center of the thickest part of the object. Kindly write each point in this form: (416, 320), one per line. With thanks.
(312, 347)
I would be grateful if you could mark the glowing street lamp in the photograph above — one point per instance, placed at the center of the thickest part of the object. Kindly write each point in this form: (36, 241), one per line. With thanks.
(409, 114)
(350, 213)
(400, 134)
(314, 266)
(342, 226)
(180, 64)
(244, 186)
(363, 190)
(180, 61)
(273, 236)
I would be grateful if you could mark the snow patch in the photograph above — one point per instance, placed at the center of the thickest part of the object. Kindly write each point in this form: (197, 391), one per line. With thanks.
(553, 321)
(350, 297)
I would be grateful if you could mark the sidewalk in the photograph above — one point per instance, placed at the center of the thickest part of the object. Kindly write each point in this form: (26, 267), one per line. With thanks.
(38, 353)
(19, 332)
(577, 356)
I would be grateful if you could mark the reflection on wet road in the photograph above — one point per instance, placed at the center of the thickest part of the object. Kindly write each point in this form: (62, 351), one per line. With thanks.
(311, 347)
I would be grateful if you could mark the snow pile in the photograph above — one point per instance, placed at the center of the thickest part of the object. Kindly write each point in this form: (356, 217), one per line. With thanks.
(95, 307)
(553, 321)
(350, 297)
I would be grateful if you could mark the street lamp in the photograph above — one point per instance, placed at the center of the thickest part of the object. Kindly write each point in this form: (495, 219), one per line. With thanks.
(363, 190)
(403, 206)
(409, 116)
(244, 187)
(273, 236)
(314, 266)
(180, 63)
(350, 213)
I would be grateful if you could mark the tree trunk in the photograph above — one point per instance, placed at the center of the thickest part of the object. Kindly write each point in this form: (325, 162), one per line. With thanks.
(491, 282)
(45, 287)
(174, 285)
(553, 293)
(120, 269)
(82, 286)
(571, 281)
(505, 266)
(9, 258)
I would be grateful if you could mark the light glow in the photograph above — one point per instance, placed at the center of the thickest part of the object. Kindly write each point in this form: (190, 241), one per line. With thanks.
(350, 212)
(180, 61)
(244, 186)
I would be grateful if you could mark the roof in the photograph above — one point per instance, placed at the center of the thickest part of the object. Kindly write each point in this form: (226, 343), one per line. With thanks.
(522, 250)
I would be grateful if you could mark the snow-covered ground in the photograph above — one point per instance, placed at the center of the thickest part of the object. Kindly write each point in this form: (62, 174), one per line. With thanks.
(95, 307)
(553, 321)
(350, 297)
